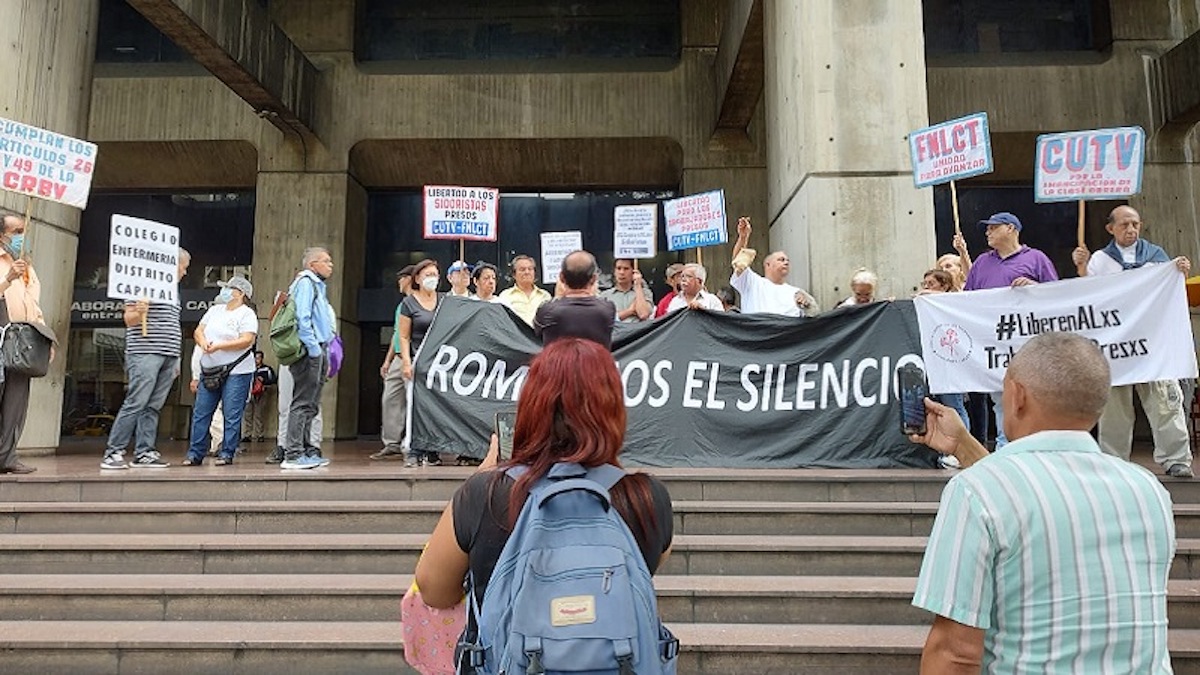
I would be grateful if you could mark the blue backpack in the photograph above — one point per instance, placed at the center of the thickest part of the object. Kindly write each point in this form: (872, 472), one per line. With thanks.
(571, 592)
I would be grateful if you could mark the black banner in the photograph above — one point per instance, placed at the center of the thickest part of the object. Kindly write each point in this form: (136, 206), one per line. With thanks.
(702, 389)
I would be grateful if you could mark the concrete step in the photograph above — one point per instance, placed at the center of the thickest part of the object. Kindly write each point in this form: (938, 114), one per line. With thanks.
(372, 597)
(386, 482)
(419, 517)
(741, 555)
(286, 648)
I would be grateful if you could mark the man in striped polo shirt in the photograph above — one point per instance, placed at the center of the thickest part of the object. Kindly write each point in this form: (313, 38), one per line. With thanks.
(1048, 556)
(151, 366)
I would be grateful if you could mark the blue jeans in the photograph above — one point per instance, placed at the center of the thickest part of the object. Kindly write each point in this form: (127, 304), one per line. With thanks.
(998, 409)
(150, 379)
(955, 401)
(232, 396)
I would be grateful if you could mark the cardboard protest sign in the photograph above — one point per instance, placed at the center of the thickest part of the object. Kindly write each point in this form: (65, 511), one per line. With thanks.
(635, 231)
(45, 164)
(143, 259)
(453, 212)
(555, 247)
(696, 220)
(953, 150)
(1087, 165)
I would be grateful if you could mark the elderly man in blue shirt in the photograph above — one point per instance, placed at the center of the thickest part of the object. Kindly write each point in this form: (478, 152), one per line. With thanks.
(314, 323)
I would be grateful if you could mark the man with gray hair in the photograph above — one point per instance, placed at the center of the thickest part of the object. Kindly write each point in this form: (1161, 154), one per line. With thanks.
(692, 294)
(152, 362)
(1048, 554)
(314, 323)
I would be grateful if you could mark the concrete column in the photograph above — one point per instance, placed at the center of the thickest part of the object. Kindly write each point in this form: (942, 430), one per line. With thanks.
(297, 210)
(46, 54)
(845, 83)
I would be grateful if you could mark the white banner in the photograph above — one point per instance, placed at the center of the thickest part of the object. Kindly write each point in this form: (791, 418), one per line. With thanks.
(635, 231)
(696, 220)
(143, 258)
(1138, 319)
(555, 247)
(45, 164)
(453, 212)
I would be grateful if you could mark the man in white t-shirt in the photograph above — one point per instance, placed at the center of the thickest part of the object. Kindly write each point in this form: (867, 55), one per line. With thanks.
(769, 293)
(693, 295)
(1162, 400)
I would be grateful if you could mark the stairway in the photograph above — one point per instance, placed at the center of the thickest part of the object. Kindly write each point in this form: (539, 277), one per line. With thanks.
(257, 571)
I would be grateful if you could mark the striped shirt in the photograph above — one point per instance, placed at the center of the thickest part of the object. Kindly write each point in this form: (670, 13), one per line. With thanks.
(163, 334)
(1060, 553)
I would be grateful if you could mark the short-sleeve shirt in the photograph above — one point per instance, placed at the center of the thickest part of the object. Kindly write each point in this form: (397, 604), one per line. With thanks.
(421, 319)
(1060, 553)
(222, 325)
(707, 301)
(991, 271)
(623, 300)
(481, 527)
(163, 335)
(524, 306)
(761, 296)
(590, 318)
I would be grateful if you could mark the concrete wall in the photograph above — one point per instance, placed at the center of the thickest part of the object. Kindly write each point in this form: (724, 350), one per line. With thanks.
(842, 94)
(46, 49)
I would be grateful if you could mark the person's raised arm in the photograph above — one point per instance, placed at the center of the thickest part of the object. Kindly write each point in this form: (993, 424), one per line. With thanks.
(952, 648)
(743, 238)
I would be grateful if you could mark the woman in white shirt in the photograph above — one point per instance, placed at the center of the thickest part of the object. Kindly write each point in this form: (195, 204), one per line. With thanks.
(224, 337)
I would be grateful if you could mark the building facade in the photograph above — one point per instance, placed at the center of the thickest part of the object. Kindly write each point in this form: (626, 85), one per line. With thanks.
(264, 126)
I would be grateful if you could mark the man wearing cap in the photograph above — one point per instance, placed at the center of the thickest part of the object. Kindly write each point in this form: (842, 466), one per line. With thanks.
(1163, 400)
(459, 275)
(395, 404)
(151, 365)
(525, 297)
(673, 271)
(1008, 263)
(629, 294)
(769, 293)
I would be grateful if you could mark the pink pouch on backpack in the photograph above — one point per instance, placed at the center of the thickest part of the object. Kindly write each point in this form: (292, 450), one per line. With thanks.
(430, 635)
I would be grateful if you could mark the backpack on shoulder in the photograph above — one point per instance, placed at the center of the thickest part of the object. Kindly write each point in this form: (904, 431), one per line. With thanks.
(285, 333)
(571, 592)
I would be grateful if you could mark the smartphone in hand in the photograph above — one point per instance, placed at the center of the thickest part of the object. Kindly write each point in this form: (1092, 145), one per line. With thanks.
(505, 422)
(913, 391)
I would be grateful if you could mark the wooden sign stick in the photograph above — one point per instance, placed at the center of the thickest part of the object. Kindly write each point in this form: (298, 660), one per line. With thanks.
(954, 202)
(462, 250)
(145, 329)
(1082, 217)
(25, 247)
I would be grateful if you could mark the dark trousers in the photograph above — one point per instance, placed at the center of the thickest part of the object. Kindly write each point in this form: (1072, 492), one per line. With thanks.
(308, 378)
(14, 406)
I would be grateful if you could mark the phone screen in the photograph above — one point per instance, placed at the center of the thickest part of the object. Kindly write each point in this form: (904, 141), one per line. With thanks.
(505, 422)
(913, 391)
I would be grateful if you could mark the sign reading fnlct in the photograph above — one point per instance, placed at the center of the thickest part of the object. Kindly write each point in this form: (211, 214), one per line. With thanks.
(45, 164)
(1081, 165)
(555, 247)
(952, 150)
(143, 260)
(635, 231)
(453, 212)
(696, 220)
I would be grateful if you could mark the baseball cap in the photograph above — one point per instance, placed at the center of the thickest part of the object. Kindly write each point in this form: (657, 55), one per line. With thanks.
(458, 266)
(240, 283)
(1002, 218)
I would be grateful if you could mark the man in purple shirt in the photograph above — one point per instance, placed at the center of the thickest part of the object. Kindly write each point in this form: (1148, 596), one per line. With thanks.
(1008, 264)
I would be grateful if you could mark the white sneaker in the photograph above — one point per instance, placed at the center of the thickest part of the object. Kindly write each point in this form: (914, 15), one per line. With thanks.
(949, 462)
(114, 461)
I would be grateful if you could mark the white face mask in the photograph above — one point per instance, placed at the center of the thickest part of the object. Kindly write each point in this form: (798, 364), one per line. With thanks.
(429, 283)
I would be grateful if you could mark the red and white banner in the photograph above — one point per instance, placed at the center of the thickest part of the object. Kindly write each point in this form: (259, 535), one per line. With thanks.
(44, 164)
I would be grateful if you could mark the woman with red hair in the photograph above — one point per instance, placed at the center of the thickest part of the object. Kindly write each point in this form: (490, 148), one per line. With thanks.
(560, 418)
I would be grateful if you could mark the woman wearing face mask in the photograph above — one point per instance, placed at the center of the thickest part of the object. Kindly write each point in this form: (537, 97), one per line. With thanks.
(225, 336)
(21, 292)
(416, 314)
